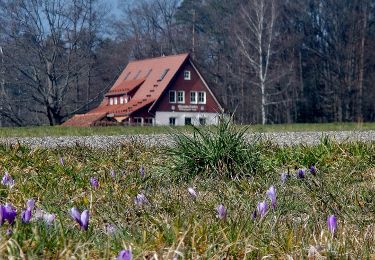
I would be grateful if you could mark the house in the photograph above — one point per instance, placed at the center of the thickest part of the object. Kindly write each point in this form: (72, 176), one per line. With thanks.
(167, 90)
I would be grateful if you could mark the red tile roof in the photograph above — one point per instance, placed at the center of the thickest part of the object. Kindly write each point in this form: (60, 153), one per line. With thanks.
(125, 87)
(146, 74)
(84, 119)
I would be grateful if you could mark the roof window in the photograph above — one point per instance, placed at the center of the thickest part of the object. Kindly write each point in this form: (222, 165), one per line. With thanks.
(148, 73)
(127, 76)
(136, 76)
(163, 74)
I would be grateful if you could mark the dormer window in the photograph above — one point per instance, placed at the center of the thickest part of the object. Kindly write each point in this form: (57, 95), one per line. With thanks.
(115, 100)
(122, 100)
(187, 75)
(110, 101)
(136, 76)
(163, 74)
(127, 76)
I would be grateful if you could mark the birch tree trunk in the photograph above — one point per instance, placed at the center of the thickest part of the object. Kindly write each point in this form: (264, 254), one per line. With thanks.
(255, 37)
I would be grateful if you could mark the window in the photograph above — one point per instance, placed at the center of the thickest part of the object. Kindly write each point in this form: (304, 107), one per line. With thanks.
(202, 121)
(136, 76)
(148, 121)
(193, 97)
(202, 97)
(148, 73)
(115, 100)
(110, 101)
(127, 76)
(187, 75)
(122, 100)
(163, 74)
(137, 120)
(172, 121)
(187, 120)
(172, 96)
(181, 97)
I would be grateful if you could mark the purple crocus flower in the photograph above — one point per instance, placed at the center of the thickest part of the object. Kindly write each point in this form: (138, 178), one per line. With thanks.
(113, 174)
(49, 218)
(271, 193)
(110, 229)
(125, 255)
(7, 180)
(82, 219)
(332, 223)
(221, 212)
(284, 176)
(30, 204)
(94, 182)
(301, 173)
(142, 171)
(62, 161)
(26, 216)
(140, 199)
(192, 192)
(313, 170)
(262, 208)
(7, 212)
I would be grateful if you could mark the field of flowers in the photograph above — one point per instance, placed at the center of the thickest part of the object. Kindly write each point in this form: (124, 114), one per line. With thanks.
(131, 202)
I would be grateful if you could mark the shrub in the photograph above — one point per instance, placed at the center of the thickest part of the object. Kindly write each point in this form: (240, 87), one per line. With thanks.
(220, 150)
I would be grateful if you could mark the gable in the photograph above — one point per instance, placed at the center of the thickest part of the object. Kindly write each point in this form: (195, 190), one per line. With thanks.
(195, 84)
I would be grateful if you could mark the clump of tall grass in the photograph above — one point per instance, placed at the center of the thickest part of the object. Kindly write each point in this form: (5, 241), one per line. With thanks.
(220, 150)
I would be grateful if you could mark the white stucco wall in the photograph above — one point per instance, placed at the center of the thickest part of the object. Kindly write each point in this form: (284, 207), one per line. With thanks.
(162, 118)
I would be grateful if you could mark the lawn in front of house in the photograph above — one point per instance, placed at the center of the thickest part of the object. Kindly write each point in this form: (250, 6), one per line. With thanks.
(153, 214)
(38, 131)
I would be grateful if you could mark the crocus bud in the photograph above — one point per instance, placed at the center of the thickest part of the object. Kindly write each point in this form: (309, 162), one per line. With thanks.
(142, 171)
(262, 208)
(221, 212)
(192, 192)
(125, 255)
(284, 176)
(332, 223)
(81, 219)
(140, 199)
(94, 182)
(30, 204)
(301, 173)
(26, 216)
(271, 193)
(7, 180)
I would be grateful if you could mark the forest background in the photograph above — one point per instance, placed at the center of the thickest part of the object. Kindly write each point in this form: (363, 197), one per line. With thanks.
(270, 61)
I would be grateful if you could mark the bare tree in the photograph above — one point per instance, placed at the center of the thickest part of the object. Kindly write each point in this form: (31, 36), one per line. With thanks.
(256, 37)
(49, 45)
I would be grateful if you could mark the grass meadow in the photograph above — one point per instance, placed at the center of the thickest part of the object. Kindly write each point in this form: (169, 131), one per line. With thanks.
(142, 202)
(121, 130)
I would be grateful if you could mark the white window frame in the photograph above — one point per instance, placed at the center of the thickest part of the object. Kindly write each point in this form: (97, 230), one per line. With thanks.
(187, 75)
(195, 101)
(111, 101)
(175, 96)
(115, 100)
(183, 97)
(204, 97)
(121, 99)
